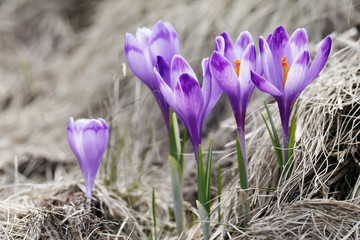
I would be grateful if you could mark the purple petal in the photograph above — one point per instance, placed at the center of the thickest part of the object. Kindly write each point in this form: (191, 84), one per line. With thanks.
(220, 45)
(143, 36)
(268, 37)
(241, 44)
(94, 141)
(269, 69)
(189, 99)
(71, 135)
(210, 88)
(264, 85)
(278, 43)
(295, 79)
(174, 35)
(248, 62)
(166, 91)
(298, 43)
(225, 75)
(319, 61)
(229, 47)
(138, 60)
(279, 40)
(179, 66)
(162, 43)
(164, 70)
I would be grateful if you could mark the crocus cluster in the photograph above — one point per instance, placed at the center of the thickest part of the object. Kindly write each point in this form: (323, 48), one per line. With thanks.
(282, 69)
(88, 139)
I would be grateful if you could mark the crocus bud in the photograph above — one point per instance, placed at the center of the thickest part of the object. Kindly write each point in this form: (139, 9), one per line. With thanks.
(88, 139)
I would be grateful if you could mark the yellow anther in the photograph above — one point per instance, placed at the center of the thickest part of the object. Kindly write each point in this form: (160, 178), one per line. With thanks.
(286, 69)
(237, 66)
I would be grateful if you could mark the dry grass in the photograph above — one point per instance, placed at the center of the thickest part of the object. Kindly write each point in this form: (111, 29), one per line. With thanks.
(64, 58)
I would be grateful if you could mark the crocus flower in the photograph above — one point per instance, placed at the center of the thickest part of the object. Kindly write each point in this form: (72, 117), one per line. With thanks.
(287, 72)
(149, 49)
(190, 102)
(88, 139)
(230, 65)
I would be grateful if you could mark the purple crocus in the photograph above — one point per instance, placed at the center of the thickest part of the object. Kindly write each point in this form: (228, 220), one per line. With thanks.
(185, 97)
(149, 49)
(230, 65)
(287, 72)
(88, 139)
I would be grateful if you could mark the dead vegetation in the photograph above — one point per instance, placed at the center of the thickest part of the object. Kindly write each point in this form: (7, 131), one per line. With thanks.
(64, 58)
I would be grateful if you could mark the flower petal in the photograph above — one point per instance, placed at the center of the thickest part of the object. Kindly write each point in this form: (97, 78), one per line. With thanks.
(211, 90)
(179, 66)
(279, 40)
(224, 74)
(248, 62)
(162, 43)
(298, 43)
(220, 45)
(71, 135)
(189, 99)
(164, 70)
(295, 79)
(138, 60)
(174, 35)
(319, 61)
(278, 43)
(268, 66)
(94, 141)
(268, 37)
(241, 44)
(142, 36)
(229, 48)
(264, 85)
(166, 91)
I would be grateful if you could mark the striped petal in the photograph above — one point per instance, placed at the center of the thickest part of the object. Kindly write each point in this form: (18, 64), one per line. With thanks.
(139, 60)
(225, 75)
(319, 61)
(264, 85)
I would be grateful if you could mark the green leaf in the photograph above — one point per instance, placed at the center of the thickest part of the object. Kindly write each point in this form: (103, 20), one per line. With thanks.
(241, 166)
(204, 218)
(276, 147)
(176, 186)
(154, 213)
(201, 178)
(181, 161)
(208, 176)
(172, 140)
(219, 182)
(176, 135)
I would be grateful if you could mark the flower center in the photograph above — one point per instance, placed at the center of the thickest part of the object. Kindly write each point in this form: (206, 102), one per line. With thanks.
(237, 66)
(286, 69)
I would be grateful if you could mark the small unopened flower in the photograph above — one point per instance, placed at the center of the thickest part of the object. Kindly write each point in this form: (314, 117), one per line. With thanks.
(187, 99)
(287, 70)
(88, 139)
(149, 49)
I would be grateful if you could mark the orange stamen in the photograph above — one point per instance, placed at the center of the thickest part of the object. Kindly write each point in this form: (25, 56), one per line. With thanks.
(237, 66)
(286, 69)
